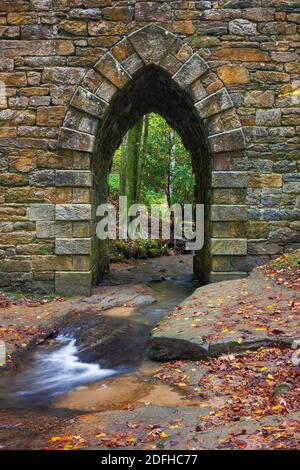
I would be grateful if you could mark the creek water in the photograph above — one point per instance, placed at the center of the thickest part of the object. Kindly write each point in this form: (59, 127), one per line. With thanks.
(92, 347)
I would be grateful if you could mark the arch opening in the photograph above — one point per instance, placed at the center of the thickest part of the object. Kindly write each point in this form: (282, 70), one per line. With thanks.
(151, 90)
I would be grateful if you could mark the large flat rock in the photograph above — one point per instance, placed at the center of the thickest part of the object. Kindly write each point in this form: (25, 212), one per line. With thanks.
(229, 316)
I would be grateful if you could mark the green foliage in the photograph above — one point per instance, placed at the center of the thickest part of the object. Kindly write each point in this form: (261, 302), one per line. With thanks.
(159, 172)
(162, 141)
(122, 250)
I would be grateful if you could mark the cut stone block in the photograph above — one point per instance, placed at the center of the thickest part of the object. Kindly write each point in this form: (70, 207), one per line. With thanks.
(73, 212)
(227, 246)
(228, 213)
(111, 69)
(190, 71)
(41, 212)
(73, 283)
(46, 229)
(88, 102)
(73, 246)
(81, 122)
(73, 140)
(227, 141)
(152, 43)
(75, 178)
(214, 104)
(229, 179)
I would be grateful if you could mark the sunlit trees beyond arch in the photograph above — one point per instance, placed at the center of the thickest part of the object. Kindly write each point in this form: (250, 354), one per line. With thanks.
(152, 165)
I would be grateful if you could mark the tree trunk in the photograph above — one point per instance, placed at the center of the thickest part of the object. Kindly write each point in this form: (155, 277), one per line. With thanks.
(123, 166)
(132, 167)
(143, 155)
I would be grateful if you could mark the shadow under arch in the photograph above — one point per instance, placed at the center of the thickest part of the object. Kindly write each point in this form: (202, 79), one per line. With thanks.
(152, 89)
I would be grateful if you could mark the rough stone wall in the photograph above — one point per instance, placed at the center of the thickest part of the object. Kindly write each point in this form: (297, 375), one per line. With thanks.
(47, 50)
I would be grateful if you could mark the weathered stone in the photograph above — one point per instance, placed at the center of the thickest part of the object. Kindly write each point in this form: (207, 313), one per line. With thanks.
(76, 140)
(153, 11)
(263, 247)
(13, 179)
(51, 263)
(20, 265)
(73, 283)
(265, 76)
(227, 141)
(81, 229)
(292, 187)
(229, 196)
(45, 229)
(41, 212)
(62, 75)
(73, 212)
(240, 54)
(272, 180)
(233, 74)
(110, 68)
(88, 102)
(76, 246)
(75, 28)
(260, 99)
(190, 71)
(229, 179)
(222, 122)
(268, 117)
(42, 178)
(228, 213)
(51, 116)
(284, 235)
(81, 121)
(122, 13)
(76, 178)
(152, 43)
(229, 247)
(242, 27)
(229, 229)
(215, 103)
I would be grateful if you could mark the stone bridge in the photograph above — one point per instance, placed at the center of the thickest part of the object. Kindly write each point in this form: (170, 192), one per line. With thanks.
(76, 74)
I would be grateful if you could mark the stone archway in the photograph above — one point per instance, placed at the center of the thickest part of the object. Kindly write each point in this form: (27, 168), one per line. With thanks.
(151, 70)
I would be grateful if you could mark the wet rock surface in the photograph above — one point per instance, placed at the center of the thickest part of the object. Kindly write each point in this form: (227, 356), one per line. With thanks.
(229, 316)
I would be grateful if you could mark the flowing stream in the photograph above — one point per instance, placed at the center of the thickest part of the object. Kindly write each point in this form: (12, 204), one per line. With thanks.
(91, 348)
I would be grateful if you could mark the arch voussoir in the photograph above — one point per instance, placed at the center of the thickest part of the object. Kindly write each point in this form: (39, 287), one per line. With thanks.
(214, 104)
(192, 69)
(152, 43)
(86, 101)
(110, 68)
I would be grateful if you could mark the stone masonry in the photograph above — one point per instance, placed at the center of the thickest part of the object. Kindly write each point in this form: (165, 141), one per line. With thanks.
(75, 74)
